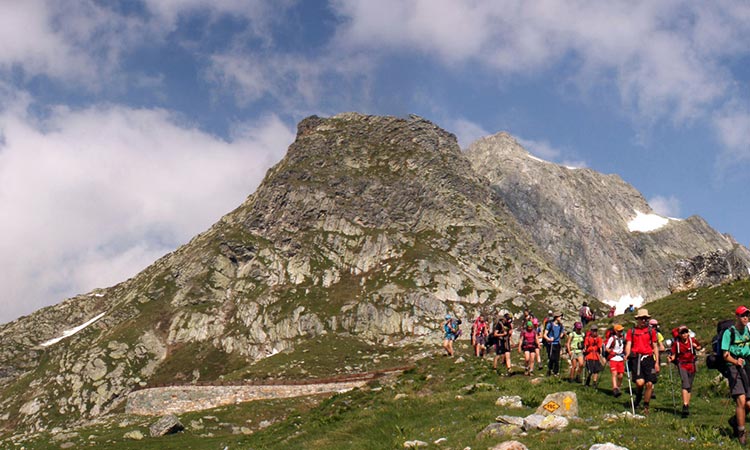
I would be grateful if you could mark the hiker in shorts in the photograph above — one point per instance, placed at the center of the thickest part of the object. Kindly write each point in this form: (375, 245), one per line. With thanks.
(538, 351)
(574, 347)
(449, 331)
(501, 333)
(616, 351)
(480, 336)
(546, 321)
(553, 335)
(528, 344)
(735, 348)
(642, 355)
(682, 353)
(592, 346)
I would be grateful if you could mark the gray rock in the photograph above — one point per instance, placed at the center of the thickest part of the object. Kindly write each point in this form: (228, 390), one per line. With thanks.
(509, 445)
(552, 423)
(512, 401)
(168, 424)
(499, 430)
(415, 444)
(559, 404)
(709, 269)
(607, 446)
(532, 421)
(510, 420)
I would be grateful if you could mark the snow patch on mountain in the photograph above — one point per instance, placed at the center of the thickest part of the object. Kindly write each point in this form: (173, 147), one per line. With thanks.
(71, 331)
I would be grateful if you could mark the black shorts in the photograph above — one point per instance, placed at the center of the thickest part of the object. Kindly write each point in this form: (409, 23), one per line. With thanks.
(642, 367)
(593, 365)
(502, 347)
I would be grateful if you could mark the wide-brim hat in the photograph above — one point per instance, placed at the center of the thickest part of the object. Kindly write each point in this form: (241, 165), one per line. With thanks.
(643, 312)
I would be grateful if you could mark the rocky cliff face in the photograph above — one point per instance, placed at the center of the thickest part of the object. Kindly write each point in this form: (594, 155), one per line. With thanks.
(596, 228)
(709, 269)
(371, 227)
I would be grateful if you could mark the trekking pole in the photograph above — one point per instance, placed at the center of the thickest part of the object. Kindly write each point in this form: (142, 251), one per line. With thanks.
(630, 387)
(671, 387)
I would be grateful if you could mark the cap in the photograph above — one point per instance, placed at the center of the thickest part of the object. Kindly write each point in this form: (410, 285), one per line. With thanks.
(578, 325)
(558, 314)
(447, 317)
(549, 312)
(594, 327)
(618, 327)
(643, 312)
(653, 322)
(535, 321)
(741, 310)
(683, 327)
(529, 324)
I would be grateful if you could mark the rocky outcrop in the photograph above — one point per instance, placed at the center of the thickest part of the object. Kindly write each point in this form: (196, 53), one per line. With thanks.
(709, 269)
(596, 228)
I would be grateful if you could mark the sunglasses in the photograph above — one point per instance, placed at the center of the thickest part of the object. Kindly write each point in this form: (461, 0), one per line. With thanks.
(684, 331)
(747, 314)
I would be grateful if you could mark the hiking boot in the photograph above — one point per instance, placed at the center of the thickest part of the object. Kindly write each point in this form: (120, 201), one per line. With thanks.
(616, 392)
(644, 411)
(733, 423)
(742, 437)
(685, 411)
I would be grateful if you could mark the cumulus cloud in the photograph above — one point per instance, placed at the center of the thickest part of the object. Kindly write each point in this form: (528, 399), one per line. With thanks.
(733, 128)
(665, 206)
(466, 131)
(664, 57)
(92, 196)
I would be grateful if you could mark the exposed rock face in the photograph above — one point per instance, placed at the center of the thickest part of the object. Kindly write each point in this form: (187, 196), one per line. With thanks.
(709, 269)
(372, 227)
(582, 221)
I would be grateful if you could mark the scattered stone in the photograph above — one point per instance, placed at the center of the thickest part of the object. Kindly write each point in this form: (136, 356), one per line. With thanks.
(559, 404)
(623, 415)
(400, 396)
(246, 430)
(59, 437)
(196, 425)
(532, 421)
(510, 420)
(499, 430)
(511, 401)
(459, 360)
(536, 381)
(168, 424)
(552, 422)
(607, 446)
(440, 441)
(134, 435)
(415, 444)
(509, 445)
(264, 424)
(68, 445)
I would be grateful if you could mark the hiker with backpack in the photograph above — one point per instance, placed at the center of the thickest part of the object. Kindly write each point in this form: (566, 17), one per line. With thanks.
(502, 335)
(574, 347)
(546, 321)
(616, 352)
(480, 336)
(537, 352)
(585, 314)
(528, 344)
(682, 353)
(450, 330)
(642, 355)
(553, 335)
(592, 346)
(735, 352)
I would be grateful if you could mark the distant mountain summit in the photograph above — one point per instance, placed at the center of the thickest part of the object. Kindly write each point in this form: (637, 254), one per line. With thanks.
(596, 228)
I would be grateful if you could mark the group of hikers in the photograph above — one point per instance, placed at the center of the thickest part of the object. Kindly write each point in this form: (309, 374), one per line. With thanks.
(636, 351)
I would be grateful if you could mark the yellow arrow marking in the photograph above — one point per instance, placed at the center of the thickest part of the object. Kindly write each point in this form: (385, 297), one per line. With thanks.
(568, 401)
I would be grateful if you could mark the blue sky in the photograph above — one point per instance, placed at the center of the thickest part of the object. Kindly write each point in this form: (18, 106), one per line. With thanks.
(128, 127)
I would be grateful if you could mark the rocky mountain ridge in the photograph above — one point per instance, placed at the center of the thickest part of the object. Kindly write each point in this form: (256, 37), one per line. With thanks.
(596, 228)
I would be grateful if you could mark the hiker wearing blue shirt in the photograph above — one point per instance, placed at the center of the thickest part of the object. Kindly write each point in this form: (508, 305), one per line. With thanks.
(553, 334)
(450, 330)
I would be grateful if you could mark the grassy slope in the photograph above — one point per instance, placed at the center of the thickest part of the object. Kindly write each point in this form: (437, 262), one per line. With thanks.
(455, 401)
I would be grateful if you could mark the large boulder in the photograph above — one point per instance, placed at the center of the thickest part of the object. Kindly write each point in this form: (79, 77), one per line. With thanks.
(168, 424)
(559, 404)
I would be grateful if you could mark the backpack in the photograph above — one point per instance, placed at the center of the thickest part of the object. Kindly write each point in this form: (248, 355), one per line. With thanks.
(716, 359)
(609, 332)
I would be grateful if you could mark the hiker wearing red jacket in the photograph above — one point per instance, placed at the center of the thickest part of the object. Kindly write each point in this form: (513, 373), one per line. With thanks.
(592, 346)
(683, 353)
(642, 355)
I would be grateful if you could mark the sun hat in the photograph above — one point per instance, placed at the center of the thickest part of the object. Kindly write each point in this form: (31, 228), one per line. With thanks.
(594, 327)
(643, 312)
(618, 327)
(741, 310)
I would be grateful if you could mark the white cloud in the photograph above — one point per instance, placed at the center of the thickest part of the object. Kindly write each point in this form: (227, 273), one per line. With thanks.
(733, 129)
(665, 57)
(92, 196)
(466, 131)
(666, 206)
